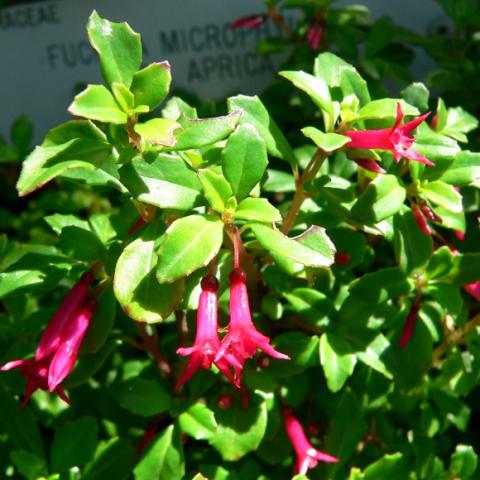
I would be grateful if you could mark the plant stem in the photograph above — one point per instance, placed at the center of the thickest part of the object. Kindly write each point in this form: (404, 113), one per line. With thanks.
(454, 338)
(279, 20)
(300, 194)
(150, 343)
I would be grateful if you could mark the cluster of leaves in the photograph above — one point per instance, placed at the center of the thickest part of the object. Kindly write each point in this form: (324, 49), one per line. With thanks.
(336, 261)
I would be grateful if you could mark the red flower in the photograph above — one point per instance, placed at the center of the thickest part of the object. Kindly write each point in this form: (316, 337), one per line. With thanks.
(315, 32)
(370, 165)
(421, 220)
(409, 327)
(250, 21)
(243, 339)
(207, 342)
(307, 455)
(473, 289)
(398, 139)
(58, 349)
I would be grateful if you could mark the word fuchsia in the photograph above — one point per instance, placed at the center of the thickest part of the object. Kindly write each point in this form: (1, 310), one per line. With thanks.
(58, 348)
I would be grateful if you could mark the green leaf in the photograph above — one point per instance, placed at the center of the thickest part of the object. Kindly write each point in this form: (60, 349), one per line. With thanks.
(310, 303)
(151, 84)
(240, 430)
(385, 108)
(198, 421)
(337, 359)
(118, 46)
(317, 90)
(97, 103)
(244, 160)
(464, 170)
(188, 244)
(465, 269)
(278, 243)
(202, 132)
(74, 444)
(158, 131)
(413, 248)
(124, 97)
(32, 267)
(463, 463)
(386, 467)
(438, 148)
(136, 286)
(371, 355)
(163, 180)
(257, 209)
(444, 195)
(328, 142)
(216, 189)
(114, 458)
(164, 458)
(417, 94)
(458, 123)
(102, 322)
(338, 73)
(142, 397)
(254, 112)
(28, 464)
(80, 244)
(381, 199)
(278, 182)
(21, 426)
(58, 221)
(62, 150)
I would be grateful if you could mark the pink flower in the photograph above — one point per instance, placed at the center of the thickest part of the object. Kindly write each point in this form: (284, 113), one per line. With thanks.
(207, 342)
(473, 289)
(370, 165)
(307, 455)
(315, 32)
(421, 220)
(243, 339)
(250, 21)
(409, 327)
(58, 349)
(398, 139)
(71, 303)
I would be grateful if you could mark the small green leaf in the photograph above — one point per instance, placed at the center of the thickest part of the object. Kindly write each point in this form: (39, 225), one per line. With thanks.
(97, 103)
(158, 131)
(417, 94)
(257, 209)
(80, 244)
(202, 132)
(244, 160)
(29, 465)
(371, 355)
(163, 180)
(337, 359)
(198, 421)
(216, 189)
(464, 170)
(240, 430)
(118, 46)
(74, 444)
(188, 244)
(444, 195)
(465, 269)
(151, 84)
(278, 243)
(317, 90)
(458, 123)
(114, 458)
(135, 285)
(163, 459)
(381, 199)
(254, 112)
(124, 97)
(328, 142)
(142, 397)
(413, 248)
(463, 463)
(385, 108)
(387, 467)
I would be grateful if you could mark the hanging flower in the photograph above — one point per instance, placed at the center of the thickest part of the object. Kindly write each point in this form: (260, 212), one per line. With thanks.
(207, 343)
(243, 339)
(250, 21)
(397, 139)
(315, 33)
(421, 220)
(59, 351)
(307, 456)
(409, 327)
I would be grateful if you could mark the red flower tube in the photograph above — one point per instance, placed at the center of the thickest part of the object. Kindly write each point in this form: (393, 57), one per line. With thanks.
(397, 139)
(307, 456)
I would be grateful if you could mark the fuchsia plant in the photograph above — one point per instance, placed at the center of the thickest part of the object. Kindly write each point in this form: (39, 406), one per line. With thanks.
(338, 240)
